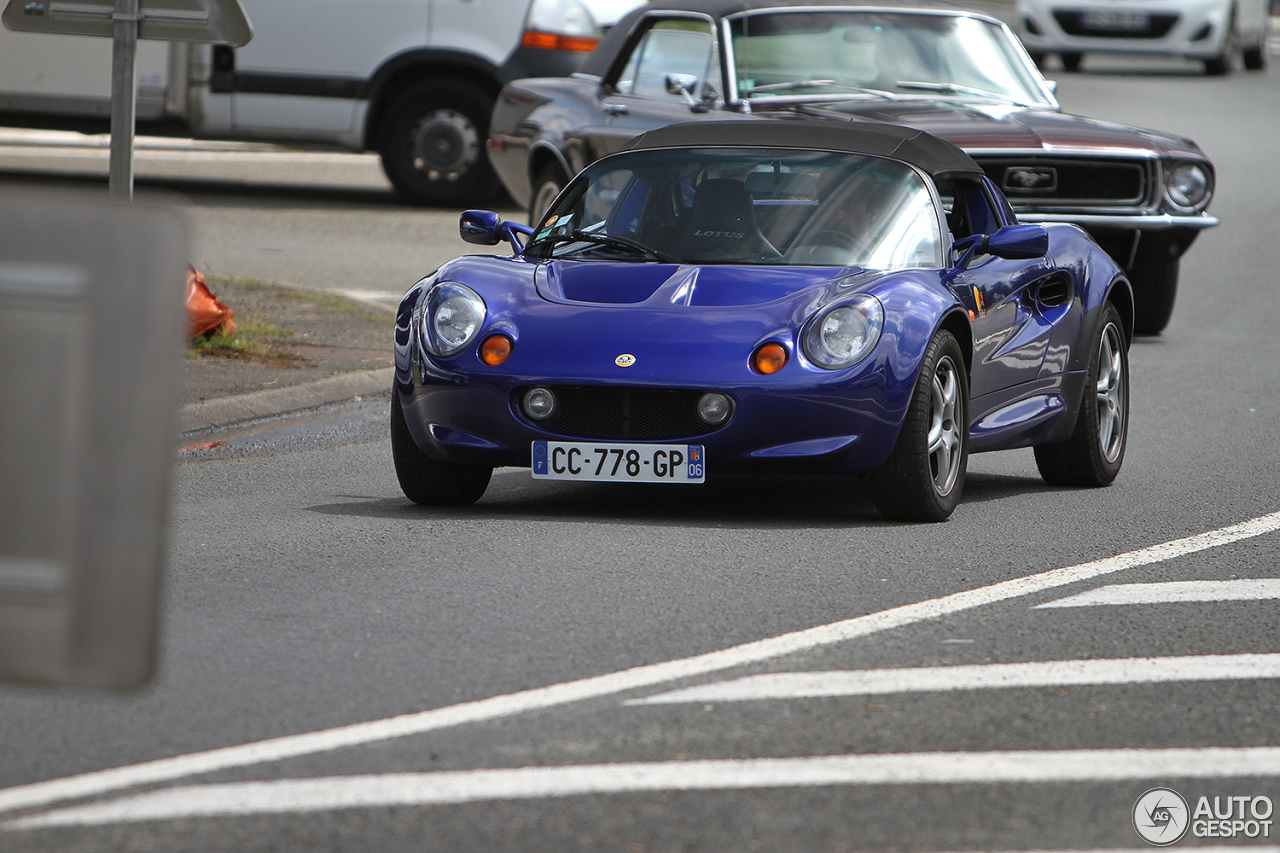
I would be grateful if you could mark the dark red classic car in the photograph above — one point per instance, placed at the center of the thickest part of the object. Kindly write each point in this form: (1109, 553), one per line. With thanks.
(958, 75)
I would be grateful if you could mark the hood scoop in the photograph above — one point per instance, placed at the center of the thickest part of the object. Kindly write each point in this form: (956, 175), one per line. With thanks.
(656, 285)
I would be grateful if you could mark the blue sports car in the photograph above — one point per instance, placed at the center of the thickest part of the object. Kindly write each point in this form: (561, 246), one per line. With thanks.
(792, 296)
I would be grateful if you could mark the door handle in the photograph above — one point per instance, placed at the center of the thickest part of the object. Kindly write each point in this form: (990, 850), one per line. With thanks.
(615, 109)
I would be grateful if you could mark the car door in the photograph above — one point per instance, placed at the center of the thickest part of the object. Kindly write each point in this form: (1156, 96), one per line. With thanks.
(1010, 336)
(635, 98)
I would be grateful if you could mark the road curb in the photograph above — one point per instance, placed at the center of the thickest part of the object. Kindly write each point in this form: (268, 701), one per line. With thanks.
(225, 412)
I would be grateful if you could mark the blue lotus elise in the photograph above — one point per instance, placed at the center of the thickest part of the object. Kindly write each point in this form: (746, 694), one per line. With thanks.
(766, 296)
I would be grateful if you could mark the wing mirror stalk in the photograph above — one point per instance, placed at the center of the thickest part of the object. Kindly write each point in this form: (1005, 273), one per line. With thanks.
(1012, 242)
(486, 228)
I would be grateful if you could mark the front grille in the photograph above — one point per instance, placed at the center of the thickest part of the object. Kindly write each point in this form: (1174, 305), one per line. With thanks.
(625, 413)
(1083, 182)
(1075, 24)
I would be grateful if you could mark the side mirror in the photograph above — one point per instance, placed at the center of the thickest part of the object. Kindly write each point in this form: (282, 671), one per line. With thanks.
(1012, 242)
(683, 85)
(481, 227)
(486, 228)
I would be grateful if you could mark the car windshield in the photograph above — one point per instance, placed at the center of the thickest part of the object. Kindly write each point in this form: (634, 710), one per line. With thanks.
(818, 55)
(745, 206)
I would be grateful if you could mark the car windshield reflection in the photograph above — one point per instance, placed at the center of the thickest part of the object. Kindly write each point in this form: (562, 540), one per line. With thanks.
(746, 206)
(816, 55)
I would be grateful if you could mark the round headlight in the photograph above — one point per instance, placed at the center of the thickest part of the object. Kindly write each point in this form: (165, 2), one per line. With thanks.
(714, 408)
(842, 336)
(539, 403)
(1188, 186)
(452, 318)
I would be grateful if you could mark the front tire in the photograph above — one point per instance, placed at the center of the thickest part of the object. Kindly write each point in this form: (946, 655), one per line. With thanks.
(1225, 62)
(1071, 61)
(1095, 451)
(924, 476)
(429, 481)
(431, 140)
(546, 187)
(1155, 288)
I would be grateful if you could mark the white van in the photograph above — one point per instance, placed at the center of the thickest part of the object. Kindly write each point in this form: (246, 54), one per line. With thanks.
(414, 80)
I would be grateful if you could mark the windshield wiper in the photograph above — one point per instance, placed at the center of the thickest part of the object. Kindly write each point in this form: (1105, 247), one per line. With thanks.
(813, 84)
(580, 236)
(956, 89)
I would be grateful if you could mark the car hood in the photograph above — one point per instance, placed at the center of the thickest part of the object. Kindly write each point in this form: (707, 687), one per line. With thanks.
(987, 127)
(674, 285)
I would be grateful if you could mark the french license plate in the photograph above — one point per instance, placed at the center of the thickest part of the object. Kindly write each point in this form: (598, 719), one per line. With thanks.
(1111, 21)
(631, 463)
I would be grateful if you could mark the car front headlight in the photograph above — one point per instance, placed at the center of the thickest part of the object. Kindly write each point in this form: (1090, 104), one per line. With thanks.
(452, 318)
(1188, 186)
(842, 336)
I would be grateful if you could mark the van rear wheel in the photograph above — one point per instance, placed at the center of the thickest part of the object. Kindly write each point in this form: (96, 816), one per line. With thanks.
(431, 140)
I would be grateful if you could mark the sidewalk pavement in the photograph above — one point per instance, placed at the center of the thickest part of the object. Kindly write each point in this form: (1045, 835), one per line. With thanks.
(226, 412)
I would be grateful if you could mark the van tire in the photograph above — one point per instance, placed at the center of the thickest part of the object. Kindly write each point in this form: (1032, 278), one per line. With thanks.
(432, 143)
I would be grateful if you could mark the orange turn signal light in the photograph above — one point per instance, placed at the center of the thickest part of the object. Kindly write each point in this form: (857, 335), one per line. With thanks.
(496, 349)
(769, 358)
(552, 41)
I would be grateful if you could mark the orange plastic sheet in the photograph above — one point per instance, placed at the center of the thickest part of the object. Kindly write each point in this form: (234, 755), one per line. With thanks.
(206, 316)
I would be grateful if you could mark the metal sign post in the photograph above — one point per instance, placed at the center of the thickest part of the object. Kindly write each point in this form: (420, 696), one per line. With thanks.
(126, 21)
(124, 97)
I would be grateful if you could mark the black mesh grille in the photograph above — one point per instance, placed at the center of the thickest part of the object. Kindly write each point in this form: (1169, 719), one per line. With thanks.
(1075, 24)
(619, 413)
(1083, 181)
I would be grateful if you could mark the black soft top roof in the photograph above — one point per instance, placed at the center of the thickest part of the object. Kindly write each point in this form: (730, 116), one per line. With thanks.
(935, 156)
(598, 61)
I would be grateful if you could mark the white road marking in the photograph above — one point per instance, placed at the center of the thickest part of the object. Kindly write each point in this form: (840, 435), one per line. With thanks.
(289, 746)
(441, 788)
(1173, 591)
(801, 685)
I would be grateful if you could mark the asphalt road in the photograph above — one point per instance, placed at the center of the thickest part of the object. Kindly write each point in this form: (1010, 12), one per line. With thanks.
(345, 671)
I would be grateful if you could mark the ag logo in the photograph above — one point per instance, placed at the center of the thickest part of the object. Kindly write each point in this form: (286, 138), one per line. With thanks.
(625, 360)
(1160, 816)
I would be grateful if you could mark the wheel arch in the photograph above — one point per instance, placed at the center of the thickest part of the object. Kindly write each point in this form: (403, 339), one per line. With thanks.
(411, 67)
(542, 154)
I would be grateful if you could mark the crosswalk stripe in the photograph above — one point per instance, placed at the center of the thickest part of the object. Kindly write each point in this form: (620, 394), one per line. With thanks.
(452, 787)
(1168, 592)
(800, 685)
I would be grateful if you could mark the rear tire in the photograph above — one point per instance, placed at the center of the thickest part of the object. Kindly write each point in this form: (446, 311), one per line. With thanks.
(1155, 288)
(924, 476)
(1095, 451)
(1255, 57)
(429, 481)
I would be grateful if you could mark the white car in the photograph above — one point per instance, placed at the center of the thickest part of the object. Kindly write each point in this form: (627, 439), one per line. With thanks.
(1216, 32)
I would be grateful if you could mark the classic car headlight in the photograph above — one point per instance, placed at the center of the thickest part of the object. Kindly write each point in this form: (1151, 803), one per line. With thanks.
(452, 318)
(842, 336)
(1188, 186)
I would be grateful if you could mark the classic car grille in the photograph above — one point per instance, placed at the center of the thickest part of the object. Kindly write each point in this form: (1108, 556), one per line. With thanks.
(1083, 182)
(1075, 24)
(618, 413)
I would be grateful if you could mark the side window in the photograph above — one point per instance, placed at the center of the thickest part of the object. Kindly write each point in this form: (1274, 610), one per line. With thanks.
(968, 208)
(671, 46)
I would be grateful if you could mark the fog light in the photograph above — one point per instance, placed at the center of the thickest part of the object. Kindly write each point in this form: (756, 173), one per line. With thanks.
(539, 403)
(714, 408)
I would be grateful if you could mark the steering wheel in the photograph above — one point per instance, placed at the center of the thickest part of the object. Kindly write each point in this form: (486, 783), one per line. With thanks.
(832, 238)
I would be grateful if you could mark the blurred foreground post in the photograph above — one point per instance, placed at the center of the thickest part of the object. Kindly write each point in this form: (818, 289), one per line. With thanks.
(92, 325)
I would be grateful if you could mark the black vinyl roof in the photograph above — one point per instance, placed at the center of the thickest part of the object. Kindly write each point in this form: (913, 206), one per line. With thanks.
(935, 156)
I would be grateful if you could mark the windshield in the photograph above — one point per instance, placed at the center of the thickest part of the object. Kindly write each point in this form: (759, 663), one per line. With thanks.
(811, 54)
(745, 206)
